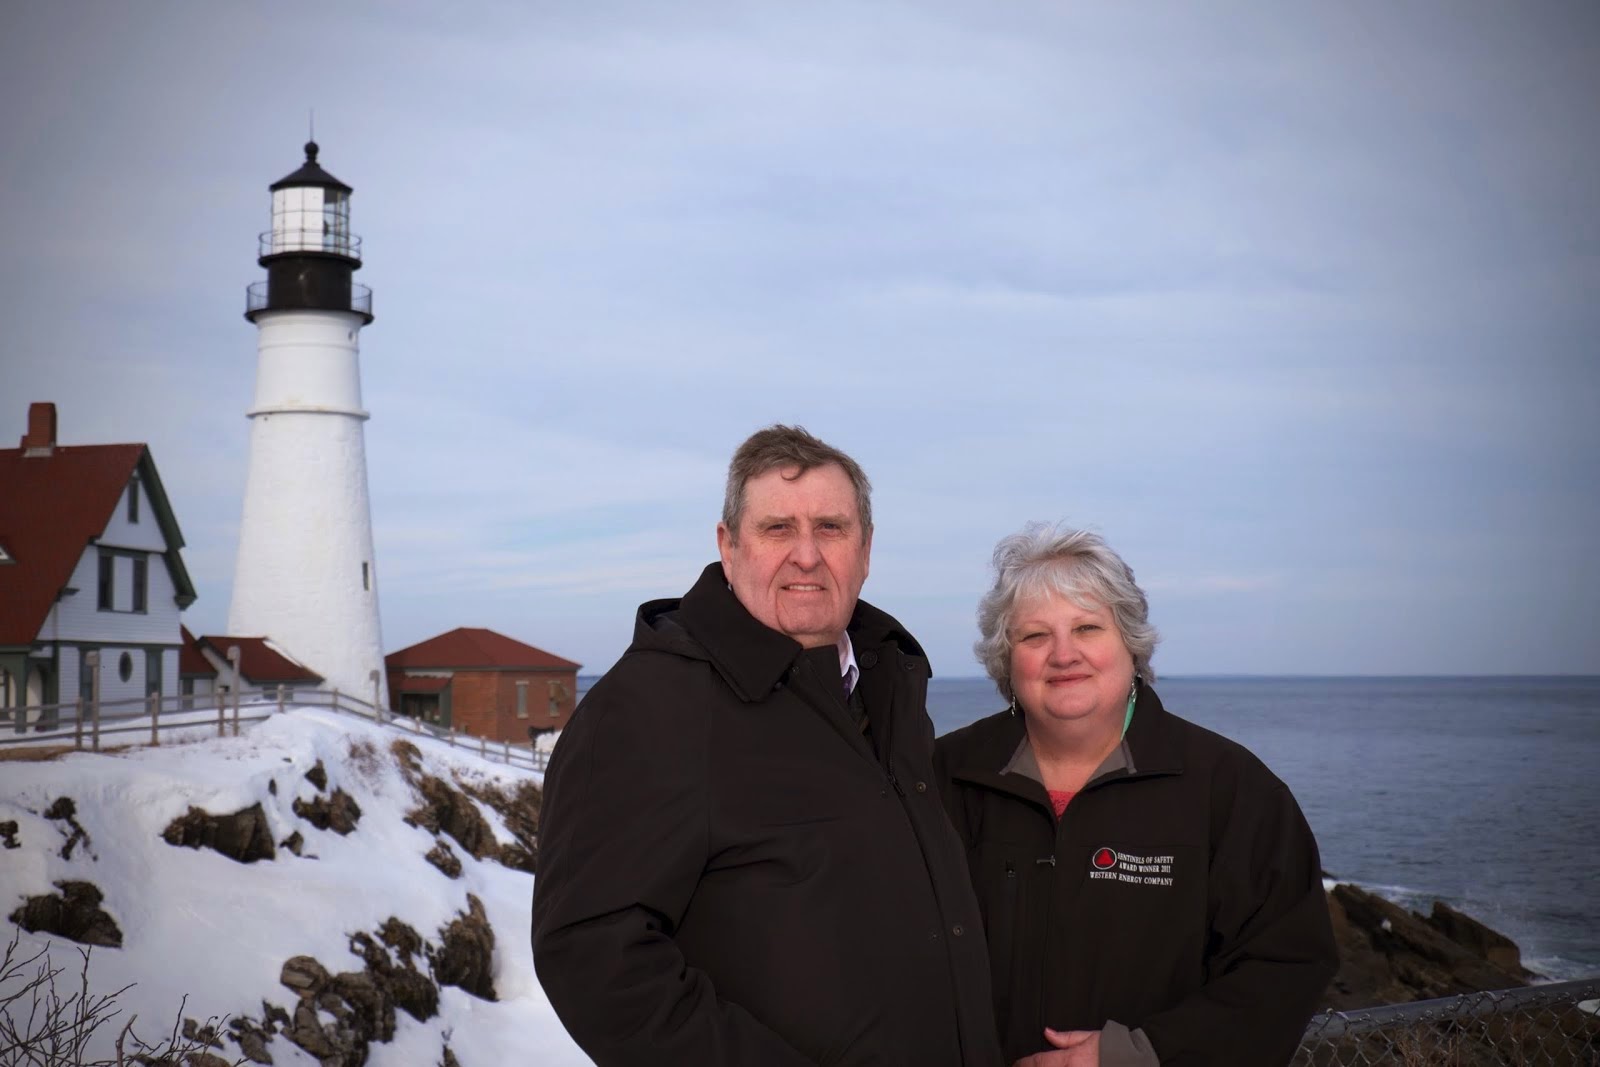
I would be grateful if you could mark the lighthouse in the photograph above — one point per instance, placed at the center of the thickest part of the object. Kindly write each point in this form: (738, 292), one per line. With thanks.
(305, 575)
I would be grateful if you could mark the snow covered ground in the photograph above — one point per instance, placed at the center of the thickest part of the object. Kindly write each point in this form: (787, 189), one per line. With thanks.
(197, 923)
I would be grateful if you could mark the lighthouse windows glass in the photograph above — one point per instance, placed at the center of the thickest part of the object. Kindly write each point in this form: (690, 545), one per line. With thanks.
(336, 222)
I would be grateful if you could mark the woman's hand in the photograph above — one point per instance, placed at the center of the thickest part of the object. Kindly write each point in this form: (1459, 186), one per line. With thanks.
(1073, 1048)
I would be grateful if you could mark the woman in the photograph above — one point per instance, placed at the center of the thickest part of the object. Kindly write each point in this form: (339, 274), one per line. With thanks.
(1151, 892)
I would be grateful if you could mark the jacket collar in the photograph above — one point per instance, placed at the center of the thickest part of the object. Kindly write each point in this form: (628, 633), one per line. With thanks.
(993, 743)
(751, 656)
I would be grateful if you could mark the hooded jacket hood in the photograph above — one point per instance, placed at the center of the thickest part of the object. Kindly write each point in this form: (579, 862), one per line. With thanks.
(709, 623)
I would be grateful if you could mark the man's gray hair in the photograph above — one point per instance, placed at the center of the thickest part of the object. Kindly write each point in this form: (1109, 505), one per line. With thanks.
(1076, 564)
(780, 447)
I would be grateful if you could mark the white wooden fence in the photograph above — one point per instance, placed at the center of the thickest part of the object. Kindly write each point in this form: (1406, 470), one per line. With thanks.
(90, 724)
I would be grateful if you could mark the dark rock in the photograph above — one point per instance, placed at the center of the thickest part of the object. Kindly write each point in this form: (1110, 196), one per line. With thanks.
(400, 984)
(75, 915)
(446, 809)
(441, 856)
(1477, 938)
(361, 1003)
(272, 786)
(64, 810)
(518, 858)
(449, 1059)
(465, 957)
(197, 1059)
(243, 836)
(519, 809)
(251, 1038)
(304, 975)
(204, 1034)
(1390, 955)
(294, 843)
(402, 938)
(8, 834)
(318, 776)
(338, 812)
(306, 1031)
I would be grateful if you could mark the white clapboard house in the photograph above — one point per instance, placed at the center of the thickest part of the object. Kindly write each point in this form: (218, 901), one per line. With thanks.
(89, 562)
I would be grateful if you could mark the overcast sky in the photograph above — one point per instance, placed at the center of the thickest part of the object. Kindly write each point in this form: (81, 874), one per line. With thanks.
(1297, 304)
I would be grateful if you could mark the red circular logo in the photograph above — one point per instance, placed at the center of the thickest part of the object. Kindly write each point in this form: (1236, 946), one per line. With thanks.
(1104, 859)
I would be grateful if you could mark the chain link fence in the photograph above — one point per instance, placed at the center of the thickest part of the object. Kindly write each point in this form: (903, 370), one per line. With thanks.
(1555, 1025)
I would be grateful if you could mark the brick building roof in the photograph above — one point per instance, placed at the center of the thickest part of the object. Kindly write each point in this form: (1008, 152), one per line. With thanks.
(260, 660)
(56, 501)
(468, 647)
(191, 661)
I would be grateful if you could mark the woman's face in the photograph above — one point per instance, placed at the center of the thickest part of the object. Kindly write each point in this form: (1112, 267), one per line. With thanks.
(1068, 662)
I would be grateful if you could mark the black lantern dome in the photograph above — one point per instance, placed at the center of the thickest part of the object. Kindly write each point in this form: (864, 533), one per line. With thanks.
(309, 253)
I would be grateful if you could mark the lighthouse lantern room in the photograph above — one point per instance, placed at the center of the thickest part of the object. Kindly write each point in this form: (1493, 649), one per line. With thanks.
(305, 575)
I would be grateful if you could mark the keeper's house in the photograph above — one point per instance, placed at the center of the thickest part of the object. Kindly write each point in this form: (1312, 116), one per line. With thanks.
(89, 562)
(483, 683)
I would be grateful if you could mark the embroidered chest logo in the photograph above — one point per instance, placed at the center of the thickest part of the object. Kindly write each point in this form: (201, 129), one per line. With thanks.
(1110, 865)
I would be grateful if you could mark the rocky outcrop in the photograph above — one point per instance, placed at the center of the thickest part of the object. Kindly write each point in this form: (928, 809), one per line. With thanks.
(444, 858)
(1389, 955)
(337, 1017)
(518, 808)
(318, 776)
(447, 810)
(64, 810)
(451, 810)
(243, 836)
(8, 834)
(338, 812)
(75, 915)
(465, 957)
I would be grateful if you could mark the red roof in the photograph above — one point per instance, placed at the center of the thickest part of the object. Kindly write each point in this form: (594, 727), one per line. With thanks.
(423, 683)
(191, 661)
(473, 646)
(259, 660)
(51, 507)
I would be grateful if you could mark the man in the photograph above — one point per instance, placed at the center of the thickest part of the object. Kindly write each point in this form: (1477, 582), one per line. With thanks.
(739, 863)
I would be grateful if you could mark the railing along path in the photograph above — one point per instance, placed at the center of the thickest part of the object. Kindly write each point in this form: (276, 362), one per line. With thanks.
(85, 725)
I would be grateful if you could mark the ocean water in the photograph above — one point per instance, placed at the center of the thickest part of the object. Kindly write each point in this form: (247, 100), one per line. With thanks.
(1481, 792)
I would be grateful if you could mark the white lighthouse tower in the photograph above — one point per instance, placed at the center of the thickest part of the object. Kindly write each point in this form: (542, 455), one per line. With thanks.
(305, 575)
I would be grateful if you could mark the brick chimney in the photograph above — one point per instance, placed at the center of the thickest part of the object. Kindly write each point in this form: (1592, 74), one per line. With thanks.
(40, 440)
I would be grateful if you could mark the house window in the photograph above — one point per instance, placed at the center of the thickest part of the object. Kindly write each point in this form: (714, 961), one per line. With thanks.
(557, 693)
(522, 700)
(141, 584)
(108, 575)
(133, 499)
(125, 667)
(366, 576)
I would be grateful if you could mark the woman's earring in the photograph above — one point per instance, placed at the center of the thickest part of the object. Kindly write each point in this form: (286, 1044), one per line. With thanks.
(1013, 703)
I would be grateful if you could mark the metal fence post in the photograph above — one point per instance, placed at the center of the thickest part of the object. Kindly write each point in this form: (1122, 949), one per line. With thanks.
(483, 746)
(280, 698)
(153, 702)
(77, 727)
(452, 735)
(222, 714)
(377, 712)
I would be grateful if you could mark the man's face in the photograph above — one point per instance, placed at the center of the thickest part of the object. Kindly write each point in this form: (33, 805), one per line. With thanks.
(801, 556)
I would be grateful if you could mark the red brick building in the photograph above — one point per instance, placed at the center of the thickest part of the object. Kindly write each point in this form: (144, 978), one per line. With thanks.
(483, 683)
